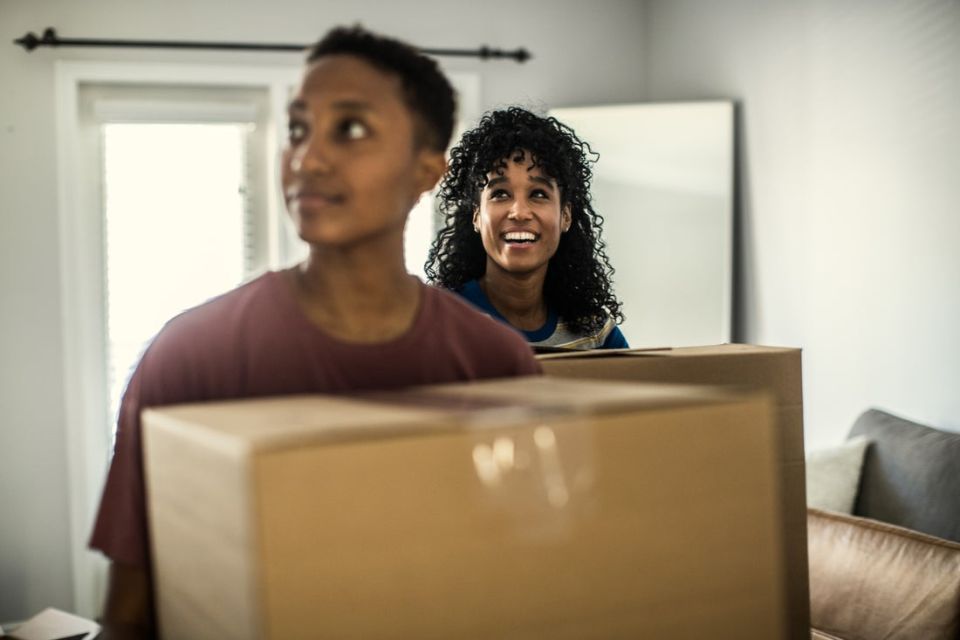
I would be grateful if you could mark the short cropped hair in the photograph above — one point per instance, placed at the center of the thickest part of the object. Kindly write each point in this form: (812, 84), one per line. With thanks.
(426, 90)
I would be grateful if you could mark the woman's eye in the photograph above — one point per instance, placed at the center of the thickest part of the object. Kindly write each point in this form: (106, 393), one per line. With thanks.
(499, 194)
(352, 129)
(296, 132)
(539, 194)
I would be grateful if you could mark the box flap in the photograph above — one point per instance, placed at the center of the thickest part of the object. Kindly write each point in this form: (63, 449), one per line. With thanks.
(706, 350)
(544, 393)
(238, 426)
(555, 354)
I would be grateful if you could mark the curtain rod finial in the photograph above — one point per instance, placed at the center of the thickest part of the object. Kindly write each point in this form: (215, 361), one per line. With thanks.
(30, 41)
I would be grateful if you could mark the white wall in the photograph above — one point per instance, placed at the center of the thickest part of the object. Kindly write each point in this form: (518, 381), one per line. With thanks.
(850, 187)
(572, 65)
(850, 150)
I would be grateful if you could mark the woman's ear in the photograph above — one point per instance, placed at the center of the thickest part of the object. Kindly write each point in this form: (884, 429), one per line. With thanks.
(566, 218)
(476, 219)
(432, 166)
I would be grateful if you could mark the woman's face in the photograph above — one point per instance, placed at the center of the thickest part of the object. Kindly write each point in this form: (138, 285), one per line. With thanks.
(520, 217)
(351, 169)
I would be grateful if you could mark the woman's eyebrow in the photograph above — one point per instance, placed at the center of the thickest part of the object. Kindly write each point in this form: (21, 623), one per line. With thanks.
(352, 105)
(492, 182)
(543, 180)
(299, 104)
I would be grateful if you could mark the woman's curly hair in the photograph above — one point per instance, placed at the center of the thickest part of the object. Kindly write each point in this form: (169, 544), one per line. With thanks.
(578, 281)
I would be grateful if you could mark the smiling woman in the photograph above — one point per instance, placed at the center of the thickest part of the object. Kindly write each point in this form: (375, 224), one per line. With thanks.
(521, 240)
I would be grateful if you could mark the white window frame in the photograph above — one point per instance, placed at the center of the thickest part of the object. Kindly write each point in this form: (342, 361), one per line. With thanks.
(82, 288)
(81, 268)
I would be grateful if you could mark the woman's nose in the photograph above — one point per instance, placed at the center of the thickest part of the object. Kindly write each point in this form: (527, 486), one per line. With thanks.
(310, 157)
(520, 210)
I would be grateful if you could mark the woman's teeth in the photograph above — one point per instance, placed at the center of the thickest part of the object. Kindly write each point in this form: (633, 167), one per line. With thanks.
(519, 236)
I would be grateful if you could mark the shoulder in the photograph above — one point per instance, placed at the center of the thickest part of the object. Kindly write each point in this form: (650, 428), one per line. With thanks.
(477, 333)
(461, 310)
(210, 316)
(204, 344)
(220, 322)
(608, 336)
(472, 293)
(615, 340)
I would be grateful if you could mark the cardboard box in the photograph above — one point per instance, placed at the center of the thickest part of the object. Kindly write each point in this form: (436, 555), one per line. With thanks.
(774, 369)
(54, 624)
(522, 508)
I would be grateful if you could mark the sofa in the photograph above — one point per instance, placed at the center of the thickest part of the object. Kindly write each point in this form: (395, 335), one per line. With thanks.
(890, 569)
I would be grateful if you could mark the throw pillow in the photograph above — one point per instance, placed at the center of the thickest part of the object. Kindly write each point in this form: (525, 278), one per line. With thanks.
(911, 475)
(833, 476)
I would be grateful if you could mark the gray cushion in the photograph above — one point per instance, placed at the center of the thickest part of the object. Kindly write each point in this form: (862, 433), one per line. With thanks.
(911, 475)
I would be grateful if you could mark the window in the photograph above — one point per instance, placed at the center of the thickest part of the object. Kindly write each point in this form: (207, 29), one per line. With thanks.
(179, 174)
(175, 227)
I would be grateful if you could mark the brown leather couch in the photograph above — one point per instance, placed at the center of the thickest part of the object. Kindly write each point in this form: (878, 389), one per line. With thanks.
(891, 571)
(870, 581)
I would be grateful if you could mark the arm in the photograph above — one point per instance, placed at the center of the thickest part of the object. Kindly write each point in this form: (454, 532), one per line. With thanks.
(128, 610)
(163, 376)
(120, 530)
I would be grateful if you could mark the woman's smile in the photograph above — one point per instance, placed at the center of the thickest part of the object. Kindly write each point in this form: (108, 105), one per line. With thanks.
(520, 239)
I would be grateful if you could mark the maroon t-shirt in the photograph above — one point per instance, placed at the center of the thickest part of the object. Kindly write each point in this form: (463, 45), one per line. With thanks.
(256, 341)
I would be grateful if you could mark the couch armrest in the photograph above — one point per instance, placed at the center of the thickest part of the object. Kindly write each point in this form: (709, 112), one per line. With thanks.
(871, 580)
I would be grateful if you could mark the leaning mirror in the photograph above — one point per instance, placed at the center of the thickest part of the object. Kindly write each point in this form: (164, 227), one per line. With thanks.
(664, 185)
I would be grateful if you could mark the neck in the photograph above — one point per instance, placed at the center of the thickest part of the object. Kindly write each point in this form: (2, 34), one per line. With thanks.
(517, 297)
(361, 294)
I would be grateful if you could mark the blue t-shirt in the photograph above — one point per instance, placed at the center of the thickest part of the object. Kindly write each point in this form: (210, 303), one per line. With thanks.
(555, 332)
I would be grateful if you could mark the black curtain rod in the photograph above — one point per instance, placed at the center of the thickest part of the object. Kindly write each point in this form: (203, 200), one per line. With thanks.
(50, 39)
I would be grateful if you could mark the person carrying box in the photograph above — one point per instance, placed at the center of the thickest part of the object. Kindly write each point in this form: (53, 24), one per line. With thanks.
(368, 127)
